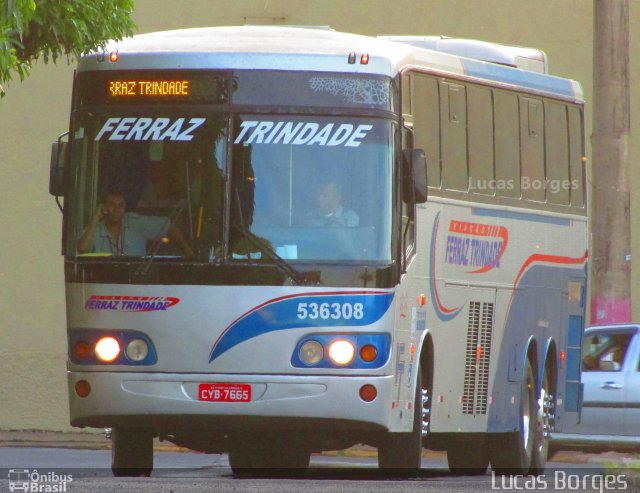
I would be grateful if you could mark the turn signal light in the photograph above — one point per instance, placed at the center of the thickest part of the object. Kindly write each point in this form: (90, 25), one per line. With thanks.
(368, 353)
(82, 349)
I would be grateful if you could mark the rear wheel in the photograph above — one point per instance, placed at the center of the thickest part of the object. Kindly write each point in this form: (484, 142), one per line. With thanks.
(544, 424)
(512, 453)
(131, 452)
(400, 454)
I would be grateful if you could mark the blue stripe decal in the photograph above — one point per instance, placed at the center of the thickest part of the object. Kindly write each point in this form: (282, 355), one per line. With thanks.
(522, 216)
(533, 80)
(350, 309)
(444, 313)
(572, 392)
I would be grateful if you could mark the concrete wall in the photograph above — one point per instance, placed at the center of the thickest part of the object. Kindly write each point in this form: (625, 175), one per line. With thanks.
(33, 393)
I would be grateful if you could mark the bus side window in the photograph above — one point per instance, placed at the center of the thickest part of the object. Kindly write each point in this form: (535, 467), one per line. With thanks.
(507, 144)
(532, 149)
(426, 123)
(557, 153)
(406, 93)
(480, 128)
(576, 151)
(453, 121)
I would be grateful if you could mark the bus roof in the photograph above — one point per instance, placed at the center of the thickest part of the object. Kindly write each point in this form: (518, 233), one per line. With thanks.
(295, 48)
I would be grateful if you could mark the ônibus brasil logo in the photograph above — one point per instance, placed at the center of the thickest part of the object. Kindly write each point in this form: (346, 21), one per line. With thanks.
(34, 481)
(130, 303)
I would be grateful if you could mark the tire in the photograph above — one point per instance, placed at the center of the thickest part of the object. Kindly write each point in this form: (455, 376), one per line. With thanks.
(131, 452)
(468, 459)
(545, 417)
(400, 454)
(512, 453)
(255, 457)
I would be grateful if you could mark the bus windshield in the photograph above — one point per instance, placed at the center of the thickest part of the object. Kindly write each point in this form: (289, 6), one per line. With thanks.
(204, 185)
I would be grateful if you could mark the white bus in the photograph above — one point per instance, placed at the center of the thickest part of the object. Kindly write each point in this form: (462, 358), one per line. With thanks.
(280, 241)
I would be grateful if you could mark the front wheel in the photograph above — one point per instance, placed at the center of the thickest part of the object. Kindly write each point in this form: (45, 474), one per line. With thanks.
(400, 454)
(131, 452)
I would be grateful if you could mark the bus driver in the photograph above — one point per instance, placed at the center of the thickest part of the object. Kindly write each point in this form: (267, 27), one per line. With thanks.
(114, 230)
(330, 211)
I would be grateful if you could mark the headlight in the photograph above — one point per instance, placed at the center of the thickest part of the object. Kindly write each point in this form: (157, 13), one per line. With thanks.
(311, 352)
(357, 350)
(342, 352)
(107, 349)
(137, 350)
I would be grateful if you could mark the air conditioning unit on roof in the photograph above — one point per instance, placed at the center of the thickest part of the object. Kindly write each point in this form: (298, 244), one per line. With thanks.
(530, 59)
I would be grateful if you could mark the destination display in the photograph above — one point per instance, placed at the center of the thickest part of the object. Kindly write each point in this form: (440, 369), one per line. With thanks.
(153, 88)
(241, 87)
(132, 87)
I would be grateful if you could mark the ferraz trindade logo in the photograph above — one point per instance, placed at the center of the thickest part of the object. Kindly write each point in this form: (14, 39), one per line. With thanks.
(33, 481)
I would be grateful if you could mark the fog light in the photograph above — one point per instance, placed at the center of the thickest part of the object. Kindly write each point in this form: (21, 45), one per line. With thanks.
(368, 392)
(107, 349)
(137, 350)
(83, 388)
(311, 352)
(342, 352)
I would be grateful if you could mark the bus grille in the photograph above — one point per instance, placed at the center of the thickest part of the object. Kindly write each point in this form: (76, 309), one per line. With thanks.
(478, 356)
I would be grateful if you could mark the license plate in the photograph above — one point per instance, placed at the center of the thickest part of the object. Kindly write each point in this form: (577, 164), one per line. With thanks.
(224, 392)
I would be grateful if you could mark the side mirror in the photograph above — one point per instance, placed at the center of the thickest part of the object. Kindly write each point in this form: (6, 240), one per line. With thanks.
(414, 176)
(56, 168)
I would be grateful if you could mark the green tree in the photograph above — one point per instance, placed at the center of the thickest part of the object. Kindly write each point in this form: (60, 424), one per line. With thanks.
(49, 29)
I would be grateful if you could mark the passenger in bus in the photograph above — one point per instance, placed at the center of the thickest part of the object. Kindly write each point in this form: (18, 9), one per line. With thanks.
(114, 230)
(330, 212)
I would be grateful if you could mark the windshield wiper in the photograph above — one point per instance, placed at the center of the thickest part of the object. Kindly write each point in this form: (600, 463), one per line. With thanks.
(285, 267)
(143, 268)
(265, 247)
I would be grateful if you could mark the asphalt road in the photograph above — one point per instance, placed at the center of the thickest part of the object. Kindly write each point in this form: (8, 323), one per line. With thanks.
(76, 471)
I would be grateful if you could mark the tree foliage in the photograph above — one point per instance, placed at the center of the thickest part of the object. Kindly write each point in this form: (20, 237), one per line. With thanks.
(49, 29)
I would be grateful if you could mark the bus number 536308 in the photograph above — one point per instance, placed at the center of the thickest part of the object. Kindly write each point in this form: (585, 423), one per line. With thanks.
(334, 311)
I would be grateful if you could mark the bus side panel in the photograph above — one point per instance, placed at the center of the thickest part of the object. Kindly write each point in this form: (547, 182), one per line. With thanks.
(540, 307)
(496, 279)
(409, 328)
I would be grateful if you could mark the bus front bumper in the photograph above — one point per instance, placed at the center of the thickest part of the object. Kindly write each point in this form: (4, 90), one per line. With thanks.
(162, 401)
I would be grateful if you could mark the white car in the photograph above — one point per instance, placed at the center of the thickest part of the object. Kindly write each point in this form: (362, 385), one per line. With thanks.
(610, 418)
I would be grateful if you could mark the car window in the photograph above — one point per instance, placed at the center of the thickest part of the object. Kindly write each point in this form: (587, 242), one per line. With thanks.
(605, 352)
